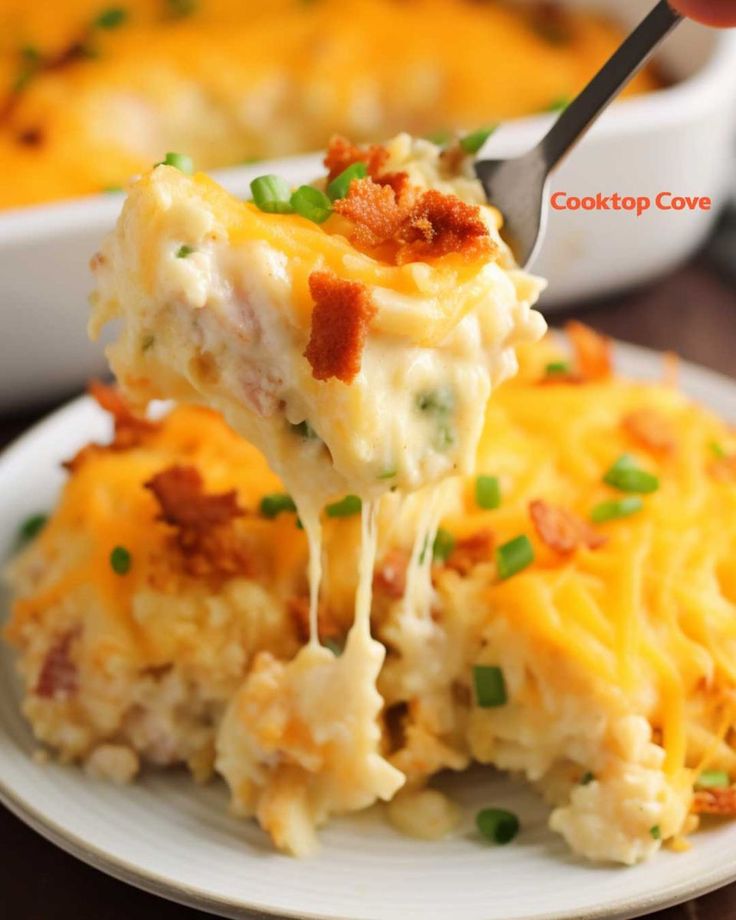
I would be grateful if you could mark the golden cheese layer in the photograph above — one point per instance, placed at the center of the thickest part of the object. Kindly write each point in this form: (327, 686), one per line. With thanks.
(616, 640)
(84, 106)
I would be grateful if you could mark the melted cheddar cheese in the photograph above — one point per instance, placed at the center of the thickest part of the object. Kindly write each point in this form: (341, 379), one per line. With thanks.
(83, 108)
(617, 656)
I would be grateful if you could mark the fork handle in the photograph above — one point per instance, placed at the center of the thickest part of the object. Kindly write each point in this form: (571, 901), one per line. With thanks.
(623, 64)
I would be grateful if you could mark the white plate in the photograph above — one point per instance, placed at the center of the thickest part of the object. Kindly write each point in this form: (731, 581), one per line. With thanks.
(169, 836)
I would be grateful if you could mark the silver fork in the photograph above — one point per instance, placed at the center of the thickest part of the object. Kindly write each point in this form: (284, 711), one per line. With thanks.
(518, 186)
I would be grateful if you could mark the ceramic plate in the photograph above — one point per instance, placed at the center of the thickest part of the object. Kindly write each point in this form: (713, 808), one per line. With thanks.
(174, 838)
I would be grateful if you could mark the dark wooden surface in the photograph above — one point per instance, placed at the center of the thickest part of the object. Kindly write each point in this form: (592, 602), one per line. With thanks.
(692, 311)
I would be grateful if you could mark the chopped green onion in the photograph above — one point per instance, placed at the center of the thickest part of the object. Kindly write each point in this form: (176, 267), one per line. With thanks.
(559, 104)
(311, 203)
(271, 194)
(340, 185)
(179, 161)
(616, 508)
(272, 505)
(113, 189)
(586, 778)
(440, 138)
(178, 9)
(717, 450)
(120, 560)
(487, 492)
(513, 556)
(183, 251)
(656, 832)
(490, 686)
(346, 507)
(436, 402)
(713, 779)
(333, 646)
(305, 430)
(111, 18)
(557, 367)
(388, 473)
(147, 342)
(31, 528)
(444, 544)
(472, 142)
(626, 476)
(497, 824)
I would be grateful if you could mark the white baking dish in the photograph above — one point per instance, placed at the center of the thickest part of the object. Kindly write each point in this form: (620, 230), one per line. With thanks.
(677, 140)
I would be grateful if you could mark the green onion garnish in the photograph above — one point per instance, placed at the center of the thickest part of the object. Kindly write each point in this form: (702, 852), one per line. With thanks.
(628, 477)
(558, 104)
(111, 18)
(346, 507)
(272, 505)
(713, 779)
(340, 185)
(472, 142)
(311, 203)
(271, 194)
(514, 556)
(586, 778)
(113, 189)
(616, 508)
(717, 450)
(31, 528)
(436, 402)
(487, 492)
(183, 251)
(656, 832)
(388, 473)
(305, 430)
(440, 138)
(179, 161)
(497, 824)
(490, 686)
(557, 367)
(120, 560)
(444, 544)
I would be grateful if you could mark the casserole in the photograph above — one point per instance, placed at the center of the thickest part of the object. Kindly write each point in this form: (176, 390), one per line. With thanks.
(677, 140)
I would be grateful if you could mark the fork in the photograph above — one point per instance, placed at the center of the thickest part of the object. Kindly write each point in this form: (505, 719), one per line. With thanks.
(518, 186)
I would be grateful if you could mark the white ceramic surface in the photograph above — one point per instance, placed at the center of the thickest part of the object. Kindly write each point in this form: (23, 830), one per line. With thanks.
(172, 837)
(678, 139)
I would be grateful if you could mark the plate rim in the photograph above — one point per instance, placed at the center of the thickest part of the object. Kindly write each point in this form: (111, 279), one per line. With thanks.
(226, 907)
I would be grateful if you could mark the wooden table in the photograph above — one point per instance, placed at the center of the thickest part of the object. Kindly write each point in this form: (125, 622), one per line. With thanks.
(692, 311)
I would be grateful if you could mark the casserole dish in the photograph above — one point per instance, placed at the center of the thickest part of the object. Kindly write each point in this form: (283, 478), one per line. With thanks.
(675, 140)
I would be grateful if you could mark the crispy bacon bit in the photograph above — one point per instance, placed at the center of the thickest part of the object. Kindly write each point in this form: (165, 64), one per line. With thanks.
(58, 678)
(650, 429)
(470, 551)
(130, 429)
(715, 802)
(404, 191)
(593, 357)
(390, 575)
(440, 224)
(433, 226)
(340, 319)
(561, 530)
(341, 153)
(209, 545)
(723, 469)
(298, 608)
(374, 212)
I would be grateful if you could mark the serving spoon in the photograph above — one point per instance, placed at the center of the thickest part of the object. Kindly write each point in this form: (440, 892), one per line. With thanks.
(518, 186)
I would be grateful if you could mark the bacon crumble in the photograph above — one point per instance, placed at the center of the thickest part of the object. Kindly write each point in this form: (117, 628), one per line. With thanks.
(58, 677)
(389, 577)
(204, 534)
(471, 551)
(593, 352)
(650, 429)
(715, 802)
(341, 153)
(561, 530)
(342, 313)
